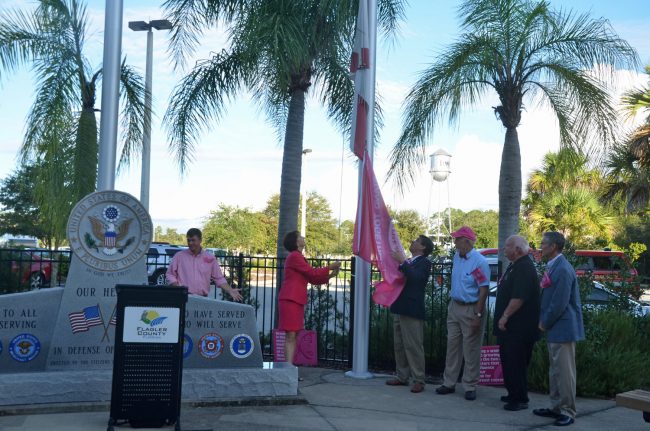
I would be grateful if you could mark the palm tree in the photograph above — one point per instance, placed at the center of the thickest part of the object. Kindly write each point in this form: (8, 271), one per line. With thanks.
(563, 195)
(634, 102)
(577, 214)
(520, 50)
(628, 178)
(565, 170)
(62, 126)
(628, 164)
(277, 50)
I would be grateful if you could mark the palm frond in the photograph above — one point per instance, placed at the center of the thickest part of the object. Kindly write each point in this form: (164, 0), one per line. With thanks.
(638, 99)
(132, 95)
(56, 100)
(334, 84)
(459, 79)
(191, 17)
(21, 40)
(200, 97)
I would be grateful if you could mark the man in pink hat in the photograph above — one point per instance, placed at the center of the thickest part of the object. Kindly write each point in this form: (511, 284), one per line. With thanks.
(470, 284)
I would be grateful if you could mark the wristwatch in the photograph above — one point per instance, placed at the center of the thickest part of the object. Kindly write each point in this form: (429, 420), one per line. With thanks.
(479, 315)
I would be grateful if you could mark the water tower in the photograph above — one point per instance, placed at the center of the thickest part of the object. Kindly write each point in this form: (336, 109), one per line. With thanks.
(440, 170)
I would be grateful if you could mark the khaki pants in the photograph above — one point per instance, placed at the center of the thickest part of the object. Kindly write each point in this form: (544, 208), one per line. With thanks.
(463, 342)
(562, 377)
(408, 336)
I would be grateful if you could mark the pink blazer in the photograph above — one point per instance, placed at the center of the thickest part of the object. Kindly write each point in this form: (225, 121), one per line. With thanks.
(297, 273)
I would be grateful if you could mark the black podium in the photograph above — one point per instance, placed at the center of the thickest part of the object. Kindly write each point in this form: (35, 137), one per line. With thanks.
(148, 356)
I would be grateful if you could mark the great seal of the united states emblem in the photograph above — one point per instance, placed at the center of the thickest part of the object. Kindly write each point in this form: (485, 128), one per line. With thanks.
(109, 230)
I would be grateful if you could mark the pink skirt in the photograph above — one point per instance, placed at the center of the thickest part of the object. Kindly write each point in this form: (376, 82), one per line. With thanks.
(292, 316)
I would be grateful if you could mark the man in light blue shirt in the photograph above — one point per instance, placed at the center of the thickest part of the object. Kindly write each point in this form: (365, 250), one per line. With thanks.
(470, 284)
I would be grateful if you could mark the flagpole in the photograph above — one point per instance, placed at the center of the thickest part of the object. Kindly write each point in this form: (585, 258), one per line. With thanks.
(361, 333)
(110, 95)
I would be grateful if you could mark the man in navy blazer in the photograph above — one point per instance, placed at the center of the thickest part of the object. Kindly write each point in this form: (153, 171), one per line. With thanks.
(408, 315)
(561, 319)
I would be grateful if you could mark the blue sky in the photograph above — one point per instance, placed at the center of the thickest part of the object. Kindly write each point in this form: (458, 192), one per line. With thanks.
(238, 161)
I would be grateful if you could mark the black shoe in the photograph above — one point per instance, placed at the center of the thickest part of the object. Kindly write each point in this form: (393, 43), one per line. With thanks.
(507, 399)
(514, 407)
(444, 390)
(563, 420)
(547, 413)
(470, 395)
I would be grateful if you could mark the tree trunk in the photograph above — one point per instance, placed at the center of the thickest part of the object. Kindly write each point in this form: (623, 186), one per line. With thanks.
(291, 174)
(85, 155)
(509, 190)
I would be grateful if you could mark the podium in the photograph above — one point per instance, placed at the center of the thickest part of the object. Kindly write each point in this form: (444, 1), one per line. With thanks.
(148, 356)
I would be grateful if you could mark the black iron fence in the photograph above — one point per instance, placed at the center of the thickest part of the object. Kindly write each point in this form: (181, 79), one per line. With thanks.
(29, 269)
(329, 310)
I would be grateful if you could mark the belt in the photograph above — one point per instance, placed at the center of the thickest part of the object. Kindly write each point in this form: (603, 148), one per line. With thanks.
(464, 303)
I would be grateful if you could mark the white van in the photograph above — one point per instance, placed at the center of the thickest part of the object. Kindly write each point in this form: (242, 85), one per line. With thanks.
(10, 241)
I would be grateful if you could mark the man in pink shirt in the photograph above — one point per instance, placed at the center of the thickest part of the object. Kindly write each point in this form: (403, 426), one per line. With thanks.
(194, 268)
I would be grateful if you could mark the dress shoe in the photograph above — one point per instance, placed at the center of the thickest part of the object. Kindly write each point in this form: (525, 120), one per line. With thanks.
(547, 413)
(470, 395)
(563, 420)
(417, 388)
(444, 390)
(507, 399)
(396, 382)
(514, 407)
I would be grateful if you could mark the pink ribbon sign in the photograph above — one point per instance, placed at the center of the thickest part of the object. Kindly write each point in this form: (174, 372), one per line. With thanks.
(479, 277)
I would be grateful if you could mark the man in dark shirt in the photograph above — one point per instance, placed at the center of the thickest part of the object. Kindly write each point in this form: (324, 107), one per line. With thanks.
(408, 315)
(516, 318)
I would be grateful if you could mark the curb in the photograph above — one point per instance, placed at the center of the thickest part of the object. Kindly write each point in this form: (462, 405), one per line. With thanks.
(40, 409)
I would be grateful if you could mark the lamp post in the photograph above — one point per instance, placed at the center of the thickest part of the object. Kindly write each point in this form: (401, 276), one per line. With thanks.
(303, 220)
(159, 24)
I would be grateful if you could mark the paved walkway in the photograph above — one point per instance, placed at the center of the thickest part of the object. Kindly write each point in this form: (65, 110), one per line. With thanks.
(331, 401)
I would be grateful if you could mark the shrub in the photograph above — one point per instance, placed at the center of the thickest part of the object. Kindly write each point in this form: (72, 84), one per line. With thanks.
(612, 359)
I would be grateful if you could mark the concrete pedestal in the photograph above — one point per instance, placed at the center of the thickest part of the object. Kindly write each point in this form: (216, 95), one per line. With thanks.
(274, 379)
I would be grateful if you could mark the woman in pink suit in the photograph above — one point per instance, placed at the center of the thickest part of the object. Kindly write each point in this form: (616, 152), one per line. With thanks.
(293, 294)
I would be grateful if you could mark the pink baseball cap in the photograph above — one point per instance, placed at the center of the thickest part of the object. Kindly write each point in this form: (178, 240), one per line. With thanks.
(465, 232)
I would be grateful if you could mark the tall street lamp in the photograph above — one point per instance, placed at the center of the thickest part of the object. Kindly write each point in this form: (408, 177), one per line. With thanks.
(303, 224)
(159, 24)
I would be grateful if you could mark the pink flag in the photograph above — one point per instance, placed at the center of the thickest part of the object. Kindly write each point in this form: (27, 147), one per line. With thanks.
(360, 71)
(375, 237)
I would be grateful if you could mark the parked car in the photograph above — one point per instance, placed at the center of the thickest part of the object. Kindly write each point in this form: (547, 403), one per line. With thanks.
(159, 257)
(219, 253)
(604, 265)
(492, 256)
(600, 296)
(34, 268)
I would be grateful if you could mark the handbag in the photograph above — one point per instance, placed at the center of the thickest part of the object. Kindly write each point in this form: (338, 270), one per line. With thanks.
(306, 353)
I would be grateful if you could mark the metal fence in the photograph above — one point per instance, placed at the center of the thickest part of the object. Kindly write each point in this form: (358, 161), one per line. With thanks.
(30, 269)
(329, 310)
